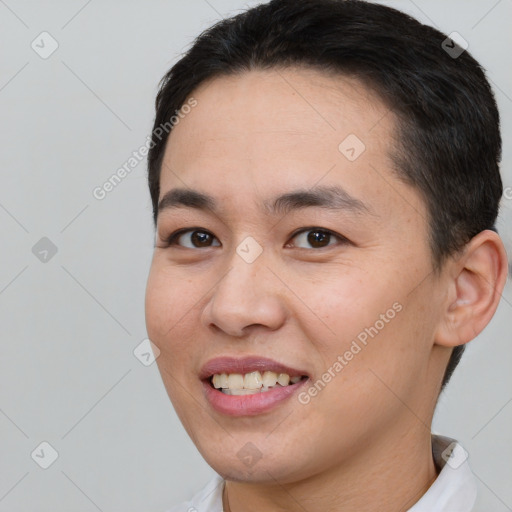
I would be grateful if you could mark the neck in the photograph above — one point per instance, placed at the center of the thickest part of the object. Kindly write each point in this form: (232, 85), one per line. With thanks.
(390, 476)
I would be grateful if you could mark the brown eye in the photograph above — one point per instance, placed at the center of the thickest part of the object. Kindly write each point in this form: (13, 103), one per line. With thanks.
(315, 238)
(193, 239)
(319, 238)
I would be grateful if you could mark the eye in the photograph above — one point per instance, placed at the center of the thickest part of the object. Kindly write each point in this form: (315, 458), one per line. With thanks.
(196, 238)
(317, 238)
(193, 239)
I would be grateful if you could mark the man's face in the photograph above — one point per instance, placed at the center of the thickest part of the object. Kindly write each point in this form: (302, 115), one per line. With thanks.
(313, 285)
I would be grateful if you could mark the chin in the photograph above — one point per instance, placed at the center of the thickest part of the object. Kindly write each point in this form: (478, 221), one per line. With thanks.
(251, 466)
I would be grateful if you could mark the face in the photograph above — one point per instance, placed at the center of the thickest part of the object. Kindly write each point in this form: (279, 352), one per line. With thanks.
(309, 257)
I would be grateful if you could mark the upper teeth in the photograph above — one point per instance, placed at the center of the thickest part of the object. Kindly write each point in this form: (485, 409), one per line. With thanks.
(252, 380)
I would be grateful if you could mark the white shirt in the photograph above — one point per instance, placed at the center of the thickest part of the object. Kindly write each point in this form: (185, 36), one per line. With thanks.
(454, 489)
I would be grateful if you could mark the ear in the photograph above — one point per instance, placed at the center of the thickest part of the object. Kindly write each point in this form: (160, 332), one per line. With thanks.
(476, 281)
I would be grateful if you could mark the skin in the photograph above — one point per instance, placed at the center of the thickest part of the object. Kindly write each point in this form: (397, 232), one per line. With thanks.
(364, 440)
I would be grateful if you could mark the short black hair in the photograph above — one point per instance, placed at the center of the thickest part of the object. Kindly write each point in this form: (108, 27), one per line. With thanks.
(448, 142)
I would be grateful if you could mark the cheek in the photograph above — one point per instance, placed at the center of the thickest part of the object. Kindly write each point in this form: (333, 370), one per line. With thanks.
(360, 322)
(168, 304)
(169, 310)
(157, 297)
(337, 310)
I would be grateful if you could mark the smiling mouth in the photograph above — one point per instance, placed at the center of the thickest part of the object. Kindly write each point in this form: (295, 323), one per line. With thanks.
(253, 382)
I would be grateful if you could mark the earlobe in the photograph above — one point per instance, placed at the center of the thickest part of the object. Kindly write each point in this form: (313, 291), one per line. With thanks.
(477, 282)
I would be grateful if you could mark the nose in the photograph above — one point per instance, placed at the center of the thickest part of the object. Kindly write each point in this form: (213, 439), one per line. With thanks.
(247, 296)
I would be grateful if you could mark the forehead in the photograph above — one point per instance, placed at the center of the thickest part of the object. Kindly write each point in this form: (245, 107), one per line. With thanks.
(262, 132)
(280, 109)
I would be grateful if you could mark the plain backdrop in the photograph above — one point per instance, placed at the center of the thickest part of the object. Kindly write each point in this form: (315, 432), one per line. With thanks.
(73, 268)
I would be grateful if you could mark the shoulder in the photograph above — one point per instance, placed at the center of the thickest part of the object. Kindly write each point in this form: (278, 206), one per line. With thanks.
(208, 499)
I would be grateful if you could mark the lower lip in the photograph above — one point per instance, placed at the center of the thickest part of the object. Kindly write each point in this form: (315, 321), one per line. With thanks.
(249, 405)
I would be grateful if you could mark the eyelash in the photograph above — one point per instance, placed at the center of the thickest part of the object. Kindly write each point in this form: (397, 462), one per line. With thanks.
(172, 239)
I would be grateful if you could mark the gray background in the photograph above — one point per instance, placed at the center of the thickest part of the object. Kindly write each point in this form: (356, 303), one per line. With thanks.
(70, 325)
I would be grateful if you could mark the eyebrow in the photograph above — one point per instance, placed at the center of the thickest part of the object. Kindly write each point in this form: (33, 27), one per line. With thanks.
(331, 198)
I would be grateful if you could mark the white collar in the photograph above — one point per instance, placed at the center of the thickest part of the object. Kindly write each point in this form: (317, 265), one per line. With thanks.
(454, 490)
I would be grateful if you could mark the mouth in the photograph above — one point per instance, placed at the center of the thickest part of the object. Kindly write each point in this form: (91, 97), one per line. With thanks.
(253, 382)
(249, 386)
